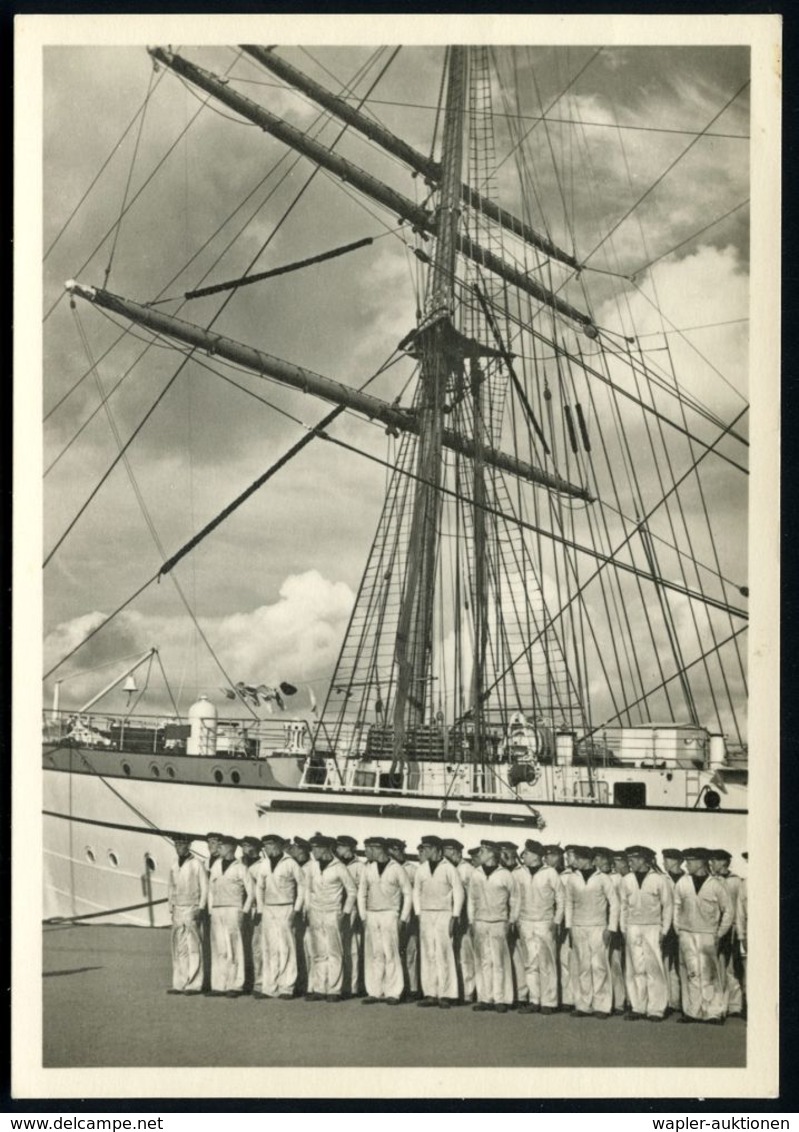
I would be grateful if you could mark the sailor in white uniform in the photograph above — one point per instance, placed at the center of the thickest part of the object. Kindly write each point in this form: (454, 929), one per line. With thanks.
(464, 950)
(729, 948)
(385, 901)
(591, 916)
(353, 928)
(331, 895)
(251, 926)
(438, 899)
(645, 917)
(537, 913)
(279, 893)
(491, 889)
(188, 895)
(409, 933)
(702, 915)
(672, 868)
(604, 861)
(230, 897)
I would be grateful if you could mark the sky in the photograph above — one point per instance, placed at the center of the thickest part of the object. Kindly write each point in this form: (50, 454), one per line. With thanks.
(273, 586)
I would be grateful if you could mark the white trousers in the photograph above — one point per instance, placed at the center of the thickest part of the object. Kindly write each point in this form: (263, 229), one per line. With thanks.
(700, 976)
(325, 952)
(647, 979)
(351, 941)
(188, 968)
(537, 948)
(438, 975)
(618, 977)
(728, 961)
(492, 959)
(227, 949)
(278, 950)
(671, 959)
(382, 966)
(591, 982)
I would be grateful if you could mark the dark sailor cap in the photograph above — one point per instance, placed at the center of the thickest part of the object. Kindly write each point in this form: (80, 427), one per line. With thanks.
(302, 843)
(672, 854)
(218, 836)
(473, 852)
(582, 851)
(181, 836)
(619, 854)
(603, 851)
(552, 849)
(345, 839)
(638, 851)
(509, 846)
(493, 846)
(431, 841)
(378, 842)
(720, 855)
(227, 839)
(696, 854)
(276, 837)
(322, 841)
(452, 843)
(395, 843)
(535, 847)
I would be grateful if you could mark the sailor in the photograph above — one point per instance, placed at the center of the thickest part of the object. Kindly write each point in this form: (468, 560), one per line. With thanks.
(331, 895)
(509, 859)
(591, 916)
(300, 851)
(561, 861)
(603, 862)
(702, 914)
(438, 900)
(188, 894)
(537, 912)
(729, 949)
(353, 929)
(230, 897)
(251, 925)
(385, 901)
(409, 934)
(741, 921)
(279, 893)
(212, 841)
(464, 950)
(672, 867)
(489, 900)
(645, 917)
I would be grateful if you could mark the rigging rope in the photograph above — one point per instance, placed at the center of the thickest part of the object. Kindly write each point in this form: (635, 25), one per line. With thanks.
(666, 171)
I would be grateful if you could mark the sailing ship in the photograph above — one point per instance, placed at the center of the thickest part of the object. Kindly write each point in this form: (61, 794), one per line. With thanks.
(547, 639)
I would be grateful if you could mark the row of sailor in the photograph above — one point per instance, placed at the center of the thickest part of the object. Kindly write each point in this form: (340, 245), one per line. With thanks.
(582, 929)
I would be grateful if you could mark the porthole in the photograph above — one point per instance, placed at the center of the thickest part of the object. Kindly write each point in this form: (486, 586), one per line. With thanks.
(90, 857)
(149, 862)
(218, 776)
(235, 777)
(126, 768)
(155, 771)
(170, 770)
(113, 860)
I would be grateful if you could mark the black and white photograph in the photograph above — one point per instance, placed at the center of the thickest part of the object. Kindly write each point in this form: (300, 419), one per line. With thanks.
(398, 513)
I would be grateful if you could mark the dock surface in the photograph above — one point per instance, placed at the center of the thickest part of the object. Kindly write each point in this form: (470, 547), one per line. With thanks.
(105, 1005)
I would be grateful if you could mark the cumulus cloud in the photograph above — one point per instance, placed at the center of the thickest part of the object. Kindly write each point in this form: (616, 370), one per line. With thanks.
(294, 639)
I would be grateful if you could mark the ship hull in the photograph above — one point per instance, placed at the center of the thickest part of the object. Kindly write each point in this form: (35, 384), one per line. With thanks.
(107, 853)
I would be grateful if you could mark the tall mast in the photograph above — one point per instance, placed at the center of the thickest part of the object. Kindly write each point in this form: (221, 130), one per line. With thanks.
(415, 627)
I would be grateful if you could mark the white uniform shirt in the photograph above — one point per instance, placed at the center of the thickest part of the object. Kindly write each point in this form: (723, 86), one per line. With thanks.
(490, 895)
(389, 891)
(188, 883)
(708, 911)
(650, 903)
(231, 888)
(281, 883)
(592, 903)
(330, 889)
(539, 896)
(438, 890)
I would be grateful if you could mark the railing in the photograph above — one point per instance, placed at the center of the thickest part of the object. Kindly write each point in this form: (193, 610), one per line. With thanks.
(149, 735)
